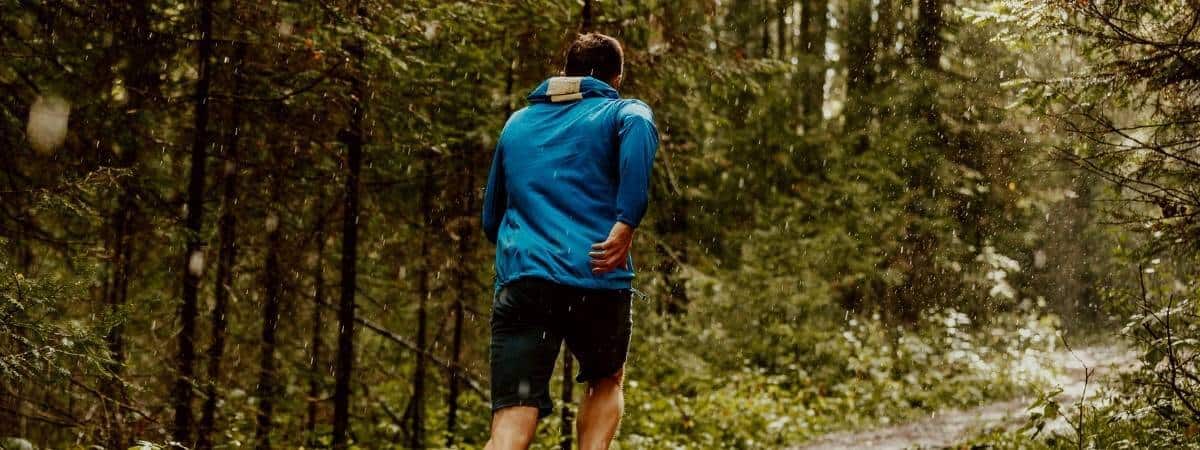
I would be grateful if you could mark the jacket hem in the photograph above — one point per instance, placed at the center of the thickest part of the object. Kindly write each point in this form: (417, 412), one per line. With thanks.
(594, 283)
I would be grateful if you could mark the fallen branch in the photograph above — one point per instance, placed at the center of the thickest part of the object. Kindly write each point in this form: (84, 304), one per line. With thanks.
(390, 335)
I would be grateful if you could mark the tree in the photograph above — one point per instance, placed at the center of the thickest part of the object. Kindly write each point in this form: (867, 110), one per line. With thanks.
(814, 26)
(424, 292)
(226, 258)
(273, 289)
(353, 138)
(860, 68)
(193, 266)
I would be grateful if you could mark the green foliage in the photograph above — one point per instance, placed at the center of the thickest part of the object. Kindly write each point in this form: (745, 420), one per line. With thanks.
(863, 375)
(890, 253)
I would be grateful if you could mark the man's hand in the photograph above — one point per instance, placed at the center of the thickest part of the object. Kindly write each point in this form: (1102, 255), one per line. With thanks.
(614, 251)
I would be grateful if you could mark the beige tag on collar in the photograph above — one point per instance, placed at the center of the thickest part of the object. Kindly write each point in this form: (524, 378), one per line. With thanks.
(564, 89)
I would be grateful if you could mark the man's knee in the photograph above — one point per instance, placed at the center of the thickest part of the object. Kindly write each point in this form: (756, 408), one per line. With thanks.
(513, 428)
(613, 381)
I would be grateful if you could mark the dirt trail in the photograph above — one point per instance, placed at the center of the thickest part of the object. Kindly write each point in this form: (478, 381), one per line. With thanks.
(946, 428)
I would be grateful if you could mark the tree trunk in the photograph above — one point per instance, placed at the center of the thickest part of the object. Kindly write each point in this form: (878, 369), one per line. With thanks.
(765, 20)
(739, 18)
(463, 292)
(568, 398)
(273, 280)
(193, 265)
(782, 30)
(227, 232)
(929, 28)
(353, 138)
(860, 72)
(585, 25)
(115, 297)
(141, 80)
(417, 438)
(885, 34)
(317, 343)
(814, 26)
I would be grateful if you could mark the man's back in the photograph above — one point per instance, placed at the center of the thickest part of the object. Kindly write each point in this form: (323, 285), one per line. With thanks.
(566, 167)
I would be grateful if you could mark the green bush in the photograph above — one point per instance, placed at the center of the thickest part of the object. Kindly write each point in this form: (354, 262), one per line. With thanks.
(945, 361)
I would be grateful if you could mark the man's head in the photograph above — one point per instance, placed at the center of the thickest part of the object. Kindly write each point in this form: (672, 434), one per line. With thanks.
(596, 55)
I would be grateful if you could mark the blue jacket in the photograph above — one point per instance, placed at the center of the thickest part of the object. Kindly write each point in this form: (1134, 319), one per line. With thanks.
(565, 169)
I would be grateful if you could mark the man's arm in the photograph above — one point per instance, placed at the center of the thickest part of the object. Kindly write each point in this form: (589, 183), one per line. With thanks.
(638, 144)
(495, 198)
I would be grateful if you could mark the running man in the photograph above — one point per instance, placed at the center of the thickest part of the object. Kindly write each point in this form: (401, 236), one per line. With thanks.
(567, 188)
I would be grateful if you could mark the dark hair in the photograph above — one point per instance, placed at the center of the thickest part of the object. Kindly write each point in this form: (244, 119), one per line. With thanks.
(595, 54)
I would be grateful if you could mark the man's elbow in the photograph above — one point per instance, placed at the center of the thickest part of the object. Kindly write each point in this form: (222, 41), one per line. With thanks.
(631, 216)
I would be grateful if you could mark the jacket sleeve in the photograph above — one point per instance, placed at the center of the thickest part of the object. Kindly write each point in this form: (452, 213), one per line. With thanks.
(495, 198)
(638, 139)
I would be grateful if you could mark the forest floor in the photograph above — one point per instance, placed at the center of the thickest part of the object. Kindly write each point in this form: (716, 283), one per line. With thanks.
(949, 427)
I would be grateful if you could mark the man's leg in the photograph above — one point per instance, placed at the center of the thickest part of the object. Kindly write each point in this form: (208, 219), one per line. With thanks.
(524, 348)
(600, 325)
(513, 428)
(600, 414)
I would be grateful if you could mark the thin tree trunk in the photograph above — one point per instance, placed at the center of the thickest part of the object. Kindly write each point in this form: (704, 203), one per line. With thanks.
(739, 17)
(783, 8)
(568, 398)
(586, 22)
(814, 27)
(417, 438)
(885, 33)
(193, 265)
(227, 234)
(266, 389)
(140, 80)
(118, 289)
(464, 292)
(929, 28)
(860, 72)
(353, 138)
(765, 20)
(317, 343)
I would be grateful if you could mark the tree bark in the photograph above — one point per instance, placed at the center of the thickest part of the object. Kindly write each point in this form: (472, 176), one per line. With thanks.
(141, 80)
(463, 293)
(273, 286)
(585, 24)
(317, 343)
(782, 30)
(929, 28)
(814, 27)
(193, 264)
(417, 437)
(568, 398)
(227, 234)
(765, 20)
(353, 138)
(860, 76)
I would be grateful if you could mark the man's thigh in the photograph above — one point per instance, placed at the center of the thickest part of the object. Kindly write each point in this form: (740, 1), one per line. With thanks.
(598, 327)
(524, 347)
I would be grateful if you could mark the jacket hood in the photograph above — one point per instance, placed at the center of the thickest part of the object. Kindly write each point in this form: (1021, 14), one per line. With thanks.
(568, 89)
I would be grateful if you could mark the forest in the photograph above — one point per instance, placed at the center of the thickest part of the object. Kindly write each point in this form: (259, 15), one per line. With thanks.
(872, 223)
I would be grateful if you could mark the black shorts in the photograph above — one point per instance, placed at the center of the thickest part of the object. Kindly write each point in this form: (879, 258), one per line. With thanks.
(531, 318)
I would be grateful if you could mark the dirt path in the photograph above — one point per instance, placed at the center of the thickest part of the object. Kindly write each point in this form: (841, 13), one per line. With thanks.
(947, 428)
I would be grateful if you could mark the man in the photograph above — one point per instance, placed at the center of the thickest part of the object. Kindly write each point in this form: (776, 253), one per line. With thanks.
(566, 191)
